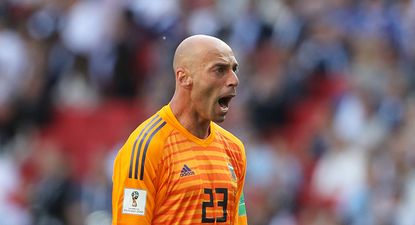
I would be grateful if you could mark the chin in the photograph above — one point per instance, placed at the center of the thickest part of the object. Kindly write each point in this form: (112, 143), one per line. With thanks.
(219, 119)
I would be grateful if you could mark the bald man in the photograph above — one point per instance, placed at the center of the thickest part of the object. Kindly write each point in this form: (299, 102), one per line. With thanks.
(179, 166)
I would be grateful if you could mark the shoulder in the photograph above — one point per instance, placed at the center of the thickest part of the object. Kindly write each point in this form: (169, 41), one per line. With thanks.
(152, 133)
(144, 147)
(235, 149)
(229, 136)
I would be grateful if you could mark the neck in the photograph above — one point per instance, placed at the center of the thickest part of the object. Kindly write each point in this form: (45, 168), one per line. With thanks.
(189, 118)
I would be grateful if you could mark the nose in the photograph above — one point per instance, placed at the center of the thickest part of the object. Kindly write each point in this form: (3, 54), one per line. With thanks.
(233, 80)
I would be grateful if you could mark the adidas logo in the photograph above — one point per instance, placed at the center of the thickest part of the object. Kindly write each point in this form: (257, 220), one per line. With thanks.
(186, 171)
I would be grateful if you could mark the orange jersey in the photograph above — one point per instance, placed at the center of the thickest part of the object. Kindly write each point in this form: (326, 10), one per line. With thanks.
(165, 175)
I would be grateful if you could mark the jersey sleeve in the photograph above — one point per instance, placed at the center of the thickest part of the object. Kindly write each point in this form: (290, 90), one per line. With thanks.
(135, 176)
(241, 218)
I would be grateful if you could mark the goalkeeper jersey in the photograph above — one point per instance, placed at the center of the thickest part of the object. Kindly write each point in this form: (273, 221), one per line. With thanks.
(165, 175)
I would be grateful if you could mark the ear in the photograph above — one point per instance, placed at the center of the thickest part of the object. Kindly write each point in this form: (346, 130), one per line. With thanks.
(183, 78)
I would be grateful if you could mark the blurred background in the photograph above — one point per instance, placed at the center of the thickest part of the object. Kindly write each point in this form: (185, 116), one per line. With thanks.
(325, 107)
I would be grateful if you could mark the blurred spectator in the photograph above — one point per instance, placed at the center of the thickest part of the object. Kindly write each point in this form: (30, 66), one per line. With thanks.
(11, 212)
(340, 178)
(14, 71)
(55, 196)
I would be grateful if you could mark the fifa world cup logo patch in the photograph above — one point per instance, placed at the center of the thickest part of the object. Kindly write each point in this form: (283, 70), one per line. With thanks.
(134, 202)
(134, 196)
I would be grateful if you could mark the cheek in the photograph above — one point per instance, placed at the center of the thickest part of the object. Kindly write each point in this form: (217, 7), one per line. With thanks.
(202, 89)
(203, 95)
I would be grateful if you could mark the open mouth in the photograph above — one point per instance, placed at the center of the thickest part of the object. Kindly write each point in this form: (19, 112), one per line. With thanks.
(224, 101)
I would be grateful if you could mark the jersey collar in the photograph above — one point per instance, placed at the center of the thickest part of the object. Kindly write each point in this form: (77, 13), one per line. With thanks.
(168, 115)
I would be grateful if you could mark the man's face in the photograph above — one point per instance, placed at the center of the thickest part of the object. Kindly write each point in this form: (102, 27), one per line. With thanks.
(214, 83)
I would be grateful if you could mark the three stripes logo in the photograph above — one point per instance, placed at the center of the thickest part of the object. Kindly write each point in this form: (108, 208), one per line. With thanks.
(186, 171)
(143, 141)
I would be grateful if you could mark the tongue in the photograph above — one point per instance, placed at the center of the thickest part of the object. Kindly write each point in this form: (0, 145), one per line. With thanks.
(223, 106)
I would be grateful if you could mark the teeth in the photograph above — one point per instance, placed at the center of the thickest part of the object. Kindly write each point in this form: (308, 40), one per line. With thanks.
(223, 106)
(224, 103)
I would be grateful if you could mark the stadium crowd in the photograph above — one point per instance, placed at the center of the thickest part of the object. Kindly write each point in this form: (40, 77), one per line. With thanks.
(325, 106)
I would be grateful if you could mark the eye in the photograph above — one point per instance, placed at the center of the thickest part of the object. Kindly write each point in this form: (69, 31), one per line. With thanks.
(220, 70)
(235, 69)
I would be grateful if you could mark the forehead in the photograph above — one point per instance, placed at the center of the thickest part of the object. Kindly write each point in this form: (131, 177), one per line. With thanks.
(219, 56)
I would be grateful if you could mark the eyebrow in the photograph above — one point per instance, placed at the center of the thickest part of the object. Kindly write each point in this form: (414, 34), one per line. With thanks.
(222, 64)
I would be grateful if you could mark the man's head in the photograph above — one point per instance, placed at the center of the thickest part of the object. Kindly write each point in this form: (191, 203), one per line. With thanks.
(205, 69)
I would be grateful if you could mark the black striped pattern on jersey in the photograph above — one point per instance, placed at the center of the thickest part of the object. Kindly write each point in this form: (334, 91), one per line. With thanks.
(149, 131)
(130, 172)
(145, 150)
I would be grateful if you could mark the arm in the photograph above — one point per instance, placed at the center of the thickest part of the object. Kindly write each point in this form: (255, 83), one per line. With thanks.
(241, 218)
(134, 177)
(132, 200)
